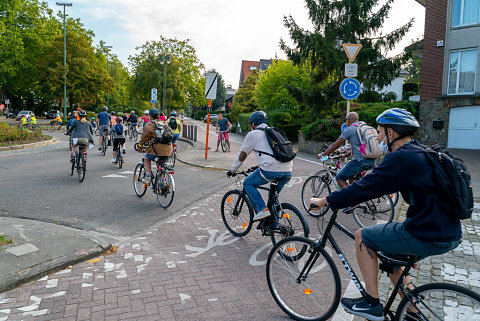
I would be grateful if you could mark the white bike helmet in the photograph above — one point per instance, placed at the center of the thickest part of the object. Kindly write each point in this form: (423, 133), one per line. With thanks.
(145, 112)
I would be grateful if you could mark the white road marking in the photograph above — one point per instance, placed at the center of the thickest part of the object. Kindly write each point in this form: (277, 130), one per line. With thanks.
(114, 176)
(184, 297)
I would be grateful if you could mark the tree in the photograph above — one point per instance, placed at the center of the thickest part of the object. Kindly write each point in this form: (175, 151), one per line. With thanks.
(275, 86)
(182, 75)
(244, 99)
(337, 22)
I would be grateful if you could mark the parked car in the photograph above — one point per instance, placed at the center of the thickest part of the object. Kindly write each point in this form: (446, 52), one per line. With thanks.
(11, 114)
(213, 117)
(51, 114)
(27, 114)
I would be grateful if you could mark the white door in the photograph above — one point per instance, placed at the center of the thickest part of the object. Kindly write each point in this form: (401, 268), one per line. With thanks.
(464, 128)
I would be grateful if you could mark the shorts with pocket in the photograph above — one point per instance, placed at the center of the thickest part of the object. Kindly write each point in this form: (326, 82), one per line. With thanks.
(80, 141)
(118, 141)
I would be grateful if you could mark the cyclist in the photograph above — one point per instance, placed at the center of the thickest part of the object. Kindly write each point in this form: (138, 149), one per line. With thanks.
(162, 116)
(103, 122)
(58, 119)
(269, 167)
(94, 124)
(359, 163)
(76, 115)
(224, 125)
(133, 119)
(70, 122)
(153, 150)
(82, 132)
(429, 228)
(113, 119)
(145, 118)
(33, 120)
(175, 125)
(118, 133)
(23, 120)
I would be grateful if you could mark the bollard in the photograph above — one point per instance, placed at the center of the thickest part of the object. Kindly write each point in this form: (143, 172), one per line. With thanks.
(190, 132)
(184, 131)
(195, 134)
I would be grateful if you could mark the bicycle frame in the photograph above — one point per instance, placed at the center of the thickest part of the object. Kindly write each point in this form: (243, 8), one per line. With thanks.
(327, 236)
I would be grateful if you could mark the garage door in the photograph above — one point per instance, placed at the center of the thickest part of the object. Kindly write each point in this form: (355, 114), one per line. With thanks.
(464, 128)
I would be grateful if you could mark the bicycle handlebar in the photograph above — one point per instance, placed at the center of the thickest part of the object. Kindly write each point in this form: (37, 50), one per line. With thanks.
(249, 170)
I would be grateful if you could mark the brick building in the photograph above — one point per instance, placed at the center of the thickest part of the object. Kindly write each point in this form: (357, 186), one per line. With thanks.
(450, 86)
(249, 66)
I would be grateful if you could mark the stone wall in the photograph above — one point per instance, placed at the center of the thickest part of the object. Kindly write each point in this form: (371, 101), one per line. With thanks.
(439, 109)
(308, 146)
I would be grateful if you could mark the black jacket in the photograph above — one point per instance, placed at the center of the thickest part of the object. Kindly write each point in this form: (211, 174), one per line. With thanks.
(406, 170)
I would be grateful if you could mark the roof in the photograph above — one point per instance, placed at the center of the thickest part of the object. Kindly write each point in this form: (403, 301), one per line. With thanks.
(422, 2)
(264, 64)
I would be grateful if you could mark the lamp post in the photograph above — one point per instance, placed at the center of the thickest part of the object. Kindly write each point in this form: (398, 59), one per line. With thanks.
(64, 4)
(108, 94)
(163, 61)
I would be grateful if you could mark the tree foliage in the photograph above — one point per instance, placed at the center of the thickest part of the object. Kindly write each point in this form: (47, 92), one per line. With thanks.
(244, 99)
(337, 22)
(182, 72)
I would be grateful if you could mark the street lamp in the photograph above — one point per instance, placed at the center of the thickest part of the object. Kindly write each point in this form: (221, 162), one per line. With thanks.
(64, 4)
(108, 95)
(163, 61)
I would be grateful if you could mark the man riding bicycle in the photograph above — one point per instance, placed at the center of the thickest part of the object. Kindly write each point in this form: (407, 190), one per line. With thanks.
(103, 122)
(224, 125)
(269, 168)
(133, 119)
(429, 229)
(153, 150)
(359, 163)
(175, 125)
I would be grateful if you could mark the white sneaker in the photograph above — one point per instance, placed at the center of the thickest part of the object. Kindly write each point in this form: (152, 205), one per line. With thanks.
(113, 160)
(146, 181)
(261, 215)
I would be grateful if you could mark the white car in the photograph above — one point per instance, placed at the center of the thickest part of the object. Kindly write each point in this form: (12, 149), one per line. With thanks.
(26, 113)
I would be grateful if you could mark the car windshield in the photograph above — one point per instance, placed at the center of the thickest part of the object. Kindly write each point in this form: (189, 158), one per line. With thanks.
(23, 113)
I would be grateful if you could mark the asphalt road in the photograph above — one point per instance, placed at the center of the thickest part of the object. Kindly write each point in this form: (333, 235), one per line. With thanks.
(37, 185)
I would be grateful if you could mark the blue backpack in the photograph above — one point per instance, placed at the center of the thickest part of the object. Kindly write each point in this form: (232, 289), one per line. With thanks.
(119, 129)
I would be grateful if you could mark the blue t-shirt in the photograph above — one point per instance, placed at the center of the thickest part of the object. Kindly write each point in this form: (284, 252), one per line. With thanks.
(103, 118)
(223, 124)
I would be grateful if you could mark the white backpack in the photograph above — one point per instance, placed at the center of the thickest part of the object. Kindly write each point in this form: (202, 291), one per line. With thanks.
(368, 141)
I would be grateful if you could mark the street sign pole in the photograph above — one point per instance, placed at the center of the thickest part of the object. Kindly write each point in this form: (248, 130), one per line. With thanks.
(352, 50)
(208, 127)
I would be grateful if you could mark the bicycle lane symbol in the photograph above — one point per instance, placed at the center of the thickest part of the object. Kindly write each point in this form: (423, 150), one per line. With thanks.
(294, 181)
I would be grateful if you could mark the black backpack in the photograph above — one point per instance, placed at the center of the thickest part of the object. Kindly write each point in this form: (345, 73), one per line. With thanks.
(281, 146)
(133, 118)
(453, 180)
(173, 123)
(119, 129)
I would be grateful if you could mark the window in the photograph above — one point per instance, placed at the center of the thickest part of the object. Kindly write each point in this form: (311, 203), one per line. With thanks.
(462, 72)
(253, 68)
(465, 12)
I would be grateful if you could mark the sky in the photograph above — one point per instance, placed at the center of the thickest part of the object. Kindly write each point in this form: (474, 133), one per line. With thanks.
(223, 32)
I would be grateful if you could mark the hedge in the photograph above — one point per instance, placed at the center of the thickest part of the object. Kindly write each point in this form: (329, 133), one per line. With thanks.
(323, 130)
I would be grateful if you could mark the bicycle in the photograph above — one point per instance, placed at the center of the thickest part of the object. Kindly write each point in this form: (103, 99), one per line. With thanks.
(237, 213)
(53, 126)
(104, 142)
(134, 134)
(118, 156)
(162, 183)
(305, 283)
(372, 212)
(96, 132)
(223, 141)
(80, 162)
(173, 156)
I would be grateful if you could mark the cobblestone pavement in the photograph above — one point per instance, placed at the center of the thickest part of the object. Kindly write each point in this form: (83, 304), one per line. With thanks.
(190, 268)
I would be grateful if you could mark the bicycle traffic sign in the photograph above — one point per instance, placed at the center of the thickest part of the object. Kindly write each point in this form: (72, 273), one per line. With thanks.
(350, 88)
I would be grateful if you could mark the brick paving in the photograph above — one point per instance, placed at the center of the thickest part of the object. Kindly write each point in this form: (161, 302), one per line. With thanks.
(191, 268)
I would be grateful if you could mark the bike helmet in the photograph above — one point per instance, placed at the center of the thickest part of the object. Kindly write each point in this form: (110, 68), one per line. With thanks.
(104, 108)
(400, 120)
(154, 112)
(79, 108)
(173, 114)
(119, 119)
(258, 117)
(82, 113)
(132, 112)
(92, 118)
(112, 113)
(145, 112)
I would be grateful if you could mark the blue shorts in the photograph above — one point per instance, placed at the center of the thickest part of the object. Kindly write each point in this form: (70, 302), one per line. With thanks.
(174, 138)
(393, 240)
(133, 125)
(161, 159)
(354, 167)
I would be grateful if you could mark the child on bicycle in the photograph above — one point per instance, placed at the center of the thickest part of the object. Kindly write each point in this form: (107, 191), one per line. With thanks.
(429, 229)
(118, 132)
(58, 120)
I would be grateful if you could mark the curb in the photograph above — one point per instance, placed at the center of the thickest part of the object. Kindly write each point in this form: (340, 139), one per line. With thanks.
(39, 271)
(28, 146)
(193, 144)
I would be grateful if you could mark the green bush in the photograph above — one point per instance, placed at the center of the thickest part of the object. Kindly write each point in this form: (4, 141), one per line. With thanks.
(200, 114)
(291, 131)
(243, 120)
(11, 135)
(369, 112)
(323, 130)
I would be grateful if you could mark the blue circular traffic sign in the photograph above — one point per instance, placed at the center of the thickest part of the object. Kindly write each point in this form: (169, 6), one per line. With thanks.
(350, 88)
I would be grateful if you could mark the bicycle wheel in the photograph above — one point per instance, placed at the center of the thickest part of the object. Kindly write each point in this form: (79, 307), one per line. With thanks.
(316, 295)
(394, 198)
(135, 135)
(290, 222)
(104, 145)
(119, 160)
(238, 218)
(223, 142)
(37, 128)
(73, 167)
(51, 127)
(440, 301)
(81, 168)
(171, 160)
(367, 214)
(315, 186)
(165, 189)
(138, 174)
(383, 204)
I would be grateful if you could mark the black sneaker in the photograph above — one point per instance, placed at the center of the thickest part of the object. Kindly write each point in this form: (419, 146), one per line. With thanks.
(99, 148)
(361, 308)
(109, 143)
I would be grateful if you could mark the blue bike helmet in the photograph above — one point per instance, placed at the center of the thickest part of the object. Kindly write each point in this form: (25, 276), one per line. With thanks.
(400, 120)
(173, 113)
(154, 113)
(258, 117)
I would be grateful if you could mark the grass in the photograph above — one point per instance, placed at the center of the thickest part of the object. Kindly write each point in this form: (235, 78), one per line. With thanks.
(4, 240)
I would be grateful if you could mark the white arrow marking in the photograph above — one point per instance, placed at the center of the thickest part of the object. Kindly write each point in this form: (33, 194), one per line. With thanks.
(127, 172)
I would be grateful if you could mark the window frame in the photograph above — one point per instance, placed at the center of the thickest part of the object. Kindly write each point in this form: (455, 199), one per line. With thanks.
(461, 23)
(457, 80)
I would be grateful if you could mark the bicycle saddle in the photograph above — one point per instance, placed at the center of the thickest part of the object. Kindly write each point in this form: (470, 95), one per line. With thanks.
(391, 263)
